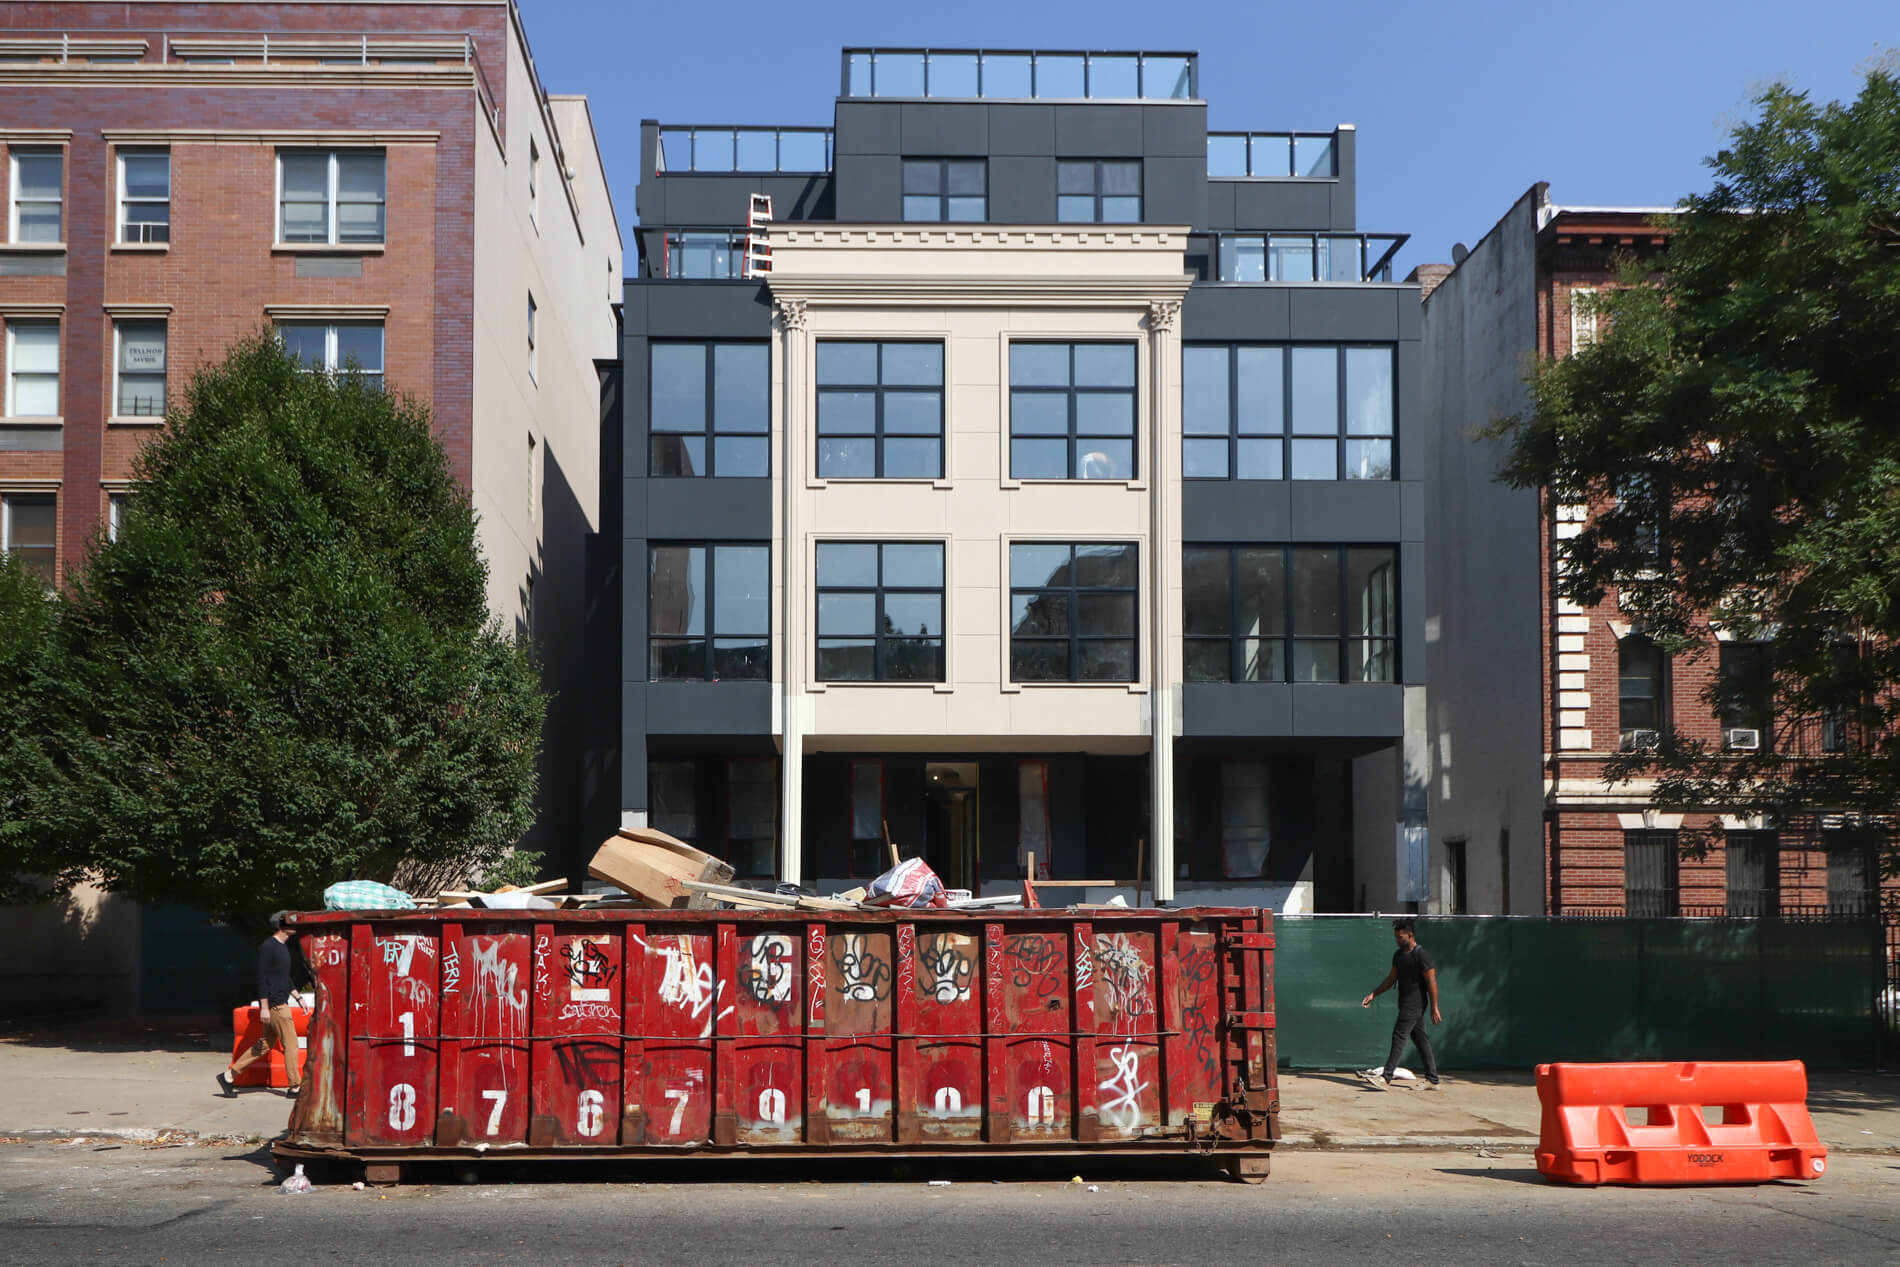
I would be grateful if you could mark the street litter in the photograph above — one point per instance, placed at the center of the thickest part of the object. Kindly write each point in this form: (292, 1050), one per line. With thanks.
(298, 1182)
(1095, 1187)
(365, 895)
(910, 883)
(939, 1183)
(358, 1186)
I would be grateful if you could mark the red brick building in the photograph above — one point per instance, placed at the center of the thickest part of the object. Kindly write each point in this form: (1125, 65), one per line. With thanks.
(381, 183)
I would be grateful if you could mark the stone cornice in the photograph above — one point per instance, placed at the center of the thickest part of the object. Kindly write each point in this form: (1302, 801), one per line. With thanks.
(1035, 237)
(265, 136)
(1025, 292)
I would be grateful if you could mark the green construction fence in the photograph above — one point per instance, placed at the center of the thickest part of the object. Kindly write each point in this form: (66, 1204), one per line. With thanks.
(1517, 992)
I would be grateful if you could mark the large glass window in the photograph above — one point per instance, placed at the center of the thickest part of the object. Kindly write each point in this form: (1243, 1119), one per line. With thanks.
(38, 200)
(709, 612)
(1298, 614)
(141, 370)
(337, 347)
(1641, 672)
(1748, 705)
(33, 369)
(330, 196)
(29, 525)
(1237, 400)
(673, 798)
(880, 410)
(945, 189)
(1098, 191)
(880, 611)
(1650, 874)
(1072, 612)
(1072, 411)
(705, 255)
(752, 816)
(145, 195)
(708, 409)
(1754, 873)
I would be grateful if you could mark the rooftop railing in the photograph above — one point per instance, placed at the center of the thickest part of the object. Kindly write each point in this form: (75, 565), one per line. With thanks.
(692, 149)
(1307, 257)
(1019, 74)
(1302, 155)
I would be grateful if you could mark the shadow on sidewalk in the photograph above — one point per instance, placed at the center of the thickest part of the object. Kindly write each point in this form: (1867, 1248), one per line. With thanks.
(1528, 1174)
(192, 1035)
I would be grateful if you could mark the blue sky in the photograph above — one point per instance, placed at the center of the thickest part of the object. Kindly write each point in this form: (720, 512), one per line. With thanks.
(1460, 106)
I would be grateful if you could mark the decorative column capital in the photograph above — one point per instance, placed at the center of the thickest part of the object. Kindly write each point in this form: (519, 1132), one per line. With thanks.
(1162, 315)
(790, 313)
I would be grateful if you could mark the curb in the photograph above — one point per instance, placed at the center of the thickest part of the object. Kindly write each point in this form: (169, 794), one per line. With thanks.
(128, 1135)
(1339, 1143)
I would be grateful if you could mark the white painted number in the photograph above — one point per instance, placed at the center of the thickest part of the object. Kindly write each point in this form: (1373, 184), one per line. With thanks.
(1042, 1105)
(948, 1100)
(500, 1099)
(402, 1107)
(679, 1096)
(408, 1022)
(864, 1099)
(592, 1115)
(772, 1105)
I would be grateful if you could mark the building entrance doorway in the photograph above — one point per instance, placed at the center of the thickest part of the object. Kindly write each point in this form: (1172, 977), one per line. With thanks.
(951, 832)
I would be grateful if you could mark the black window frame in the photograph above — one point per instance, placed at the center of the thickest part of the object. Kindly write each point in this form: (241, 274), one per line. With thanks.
(1661, 901)
(1863, 899)
(1073, 436)
(943, 194)
(1140, 197)
(709, 432)
(878, 390)
(884, 642)
(673, 243)
(1631, 645)
(1757, 712)
(1072, 595)
(1752, 873)
(1287, 436)
(712, 635)
(1289, 637)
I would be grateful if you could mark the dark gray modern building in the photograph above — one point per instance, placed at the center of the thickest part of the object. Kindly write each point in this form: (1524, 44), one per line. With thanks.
(1045, 480)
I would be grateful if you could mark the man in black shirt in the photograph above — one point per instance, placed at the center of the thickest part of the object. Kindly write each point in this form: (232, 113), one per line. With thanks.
(273, 1009)
(1417, 978)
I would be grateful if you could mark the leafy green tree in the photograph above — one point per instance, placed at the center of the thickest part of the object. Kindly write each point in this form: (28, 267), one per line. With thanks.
(1736, 431)
(283, 673)
(27, 617)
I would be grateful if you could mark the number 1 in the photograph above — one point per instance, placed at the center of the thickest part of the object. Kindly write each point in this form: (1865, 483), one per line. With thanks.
(408, 1022)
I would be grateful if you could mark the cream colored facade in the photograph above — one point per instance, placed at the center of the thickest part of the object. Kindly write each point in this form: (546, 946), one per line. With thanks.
(978, 288)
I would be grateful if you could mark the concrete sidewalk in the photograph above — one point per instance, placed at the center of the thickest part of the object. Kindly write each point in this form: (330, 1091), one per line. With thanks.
(141, 1080)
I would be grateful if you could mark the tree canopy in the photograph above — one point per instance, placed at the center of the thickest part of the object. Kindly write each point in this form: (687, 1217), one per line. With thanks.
(282, 673)
(1736, 432)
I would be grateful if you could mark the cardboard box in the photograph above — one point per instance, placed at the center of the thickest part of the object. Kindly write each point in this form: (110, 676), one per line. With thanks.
(653, 866)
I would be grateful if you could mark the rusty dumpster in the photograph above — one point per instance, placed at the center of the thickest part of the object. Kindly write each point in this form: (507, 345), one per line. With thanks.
(466, 1034)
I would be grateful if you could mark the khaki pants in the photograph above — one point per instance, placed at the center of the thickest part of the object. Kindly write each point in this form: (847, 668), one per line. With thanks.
(280, 1030)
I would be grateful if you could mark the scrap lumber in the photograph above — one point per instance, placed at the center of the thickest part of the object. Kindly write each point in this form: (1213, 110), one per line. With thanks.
(770, 901)
(655, 868)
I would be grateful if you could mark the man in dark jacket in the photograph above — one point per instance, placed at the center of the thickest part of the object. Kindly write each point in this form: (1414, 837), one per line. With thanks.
(1417, 978)
(273, 1009)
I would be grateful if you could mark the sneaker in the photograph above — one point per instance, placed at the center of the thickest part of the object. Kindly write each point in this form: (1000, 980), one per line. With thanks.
(293, 1092)
(1431, 1085)
(225, 1088)
(1377, 1081)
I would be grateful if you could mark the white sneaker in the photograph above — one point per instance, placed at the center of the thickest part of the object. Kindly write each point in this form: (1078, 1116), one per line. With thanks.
(1376, 1080)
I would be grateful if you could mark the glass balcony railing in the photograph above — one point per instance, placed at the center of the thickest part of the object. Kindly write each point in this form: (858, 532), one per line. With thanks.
(802, 150)
(703, 254)
(1017, 74)
(1308, 257)
(1305, 155)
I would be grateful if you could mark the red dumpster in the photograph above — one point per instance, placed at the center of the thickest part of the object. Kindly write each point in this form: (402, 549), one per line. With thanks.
(465, 1033)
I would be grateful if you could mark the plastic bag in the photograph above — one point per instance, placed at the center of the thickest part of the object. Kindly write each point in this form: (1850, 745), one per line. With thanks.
(909, 883)
(365, 895)
(298, 1182)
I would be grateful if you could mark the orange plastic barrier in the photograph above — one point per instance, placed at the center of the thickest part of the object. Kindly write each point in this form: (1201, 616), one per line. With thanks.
(1668, 1123)
(270, 1071)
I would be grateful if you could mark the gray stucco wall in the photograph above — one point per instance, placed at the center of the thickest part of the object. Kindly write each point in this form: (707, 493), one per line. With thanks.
(1483, 554)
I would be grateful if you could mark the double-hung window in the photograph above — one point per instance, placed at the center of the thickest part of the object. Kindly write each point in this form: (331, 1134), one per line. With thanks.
(533, 312)
(1098, 191)
(1641, 672)
(1321, 412)
(1650, 875)
(709, 612)
(945, 189)
(880, 410)
(38, 201)
(1072, 411)
(1853, 875)
(708, 409)
(145, 196)
(337, 347)
(880, 611)
(140, 368)
(29, 525)
(32, 369)
(1072, 614)
(1747, 714)
(1754, 873)
(1290, 614)
(331, 197)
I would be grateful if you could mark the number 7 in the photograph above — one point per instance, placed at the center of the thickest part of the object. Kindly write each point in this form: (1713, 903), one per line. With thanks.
(500, 1099)
(679, 1096)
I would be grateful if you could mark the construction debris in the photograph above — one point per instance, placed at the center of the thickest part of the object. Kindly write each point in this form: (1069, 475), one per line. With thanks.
(655, 868)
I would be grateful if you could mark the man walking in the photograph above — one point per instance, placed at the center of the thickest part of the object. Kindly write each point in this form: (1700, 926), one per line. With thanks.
(1417, 978)
(273, 1009)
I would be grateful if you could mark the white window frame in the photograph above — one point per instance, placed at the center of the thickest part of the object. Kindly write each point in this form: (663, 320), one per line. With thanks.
(1583, 325)
(14, 155)
(331, 219)
(7, 505)
(534, 183)
(125, 199)
(115, 511)
(331, 365)
(533, 311)
(59, 354)
(118, 367)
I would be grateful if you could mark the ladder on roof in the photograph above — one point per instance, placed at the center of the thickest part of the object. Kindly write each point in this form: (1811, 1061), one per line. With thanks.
(758, 251)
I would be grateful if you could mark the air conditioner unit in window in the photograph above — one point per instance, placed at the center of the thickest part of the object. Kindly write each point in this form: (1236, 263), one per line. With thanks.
(1642, 740)
(1739, 739)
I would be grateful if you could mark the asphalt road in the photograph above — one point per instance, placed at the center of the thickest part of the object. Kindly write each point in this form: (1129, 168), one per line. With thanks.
(71, 1204)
